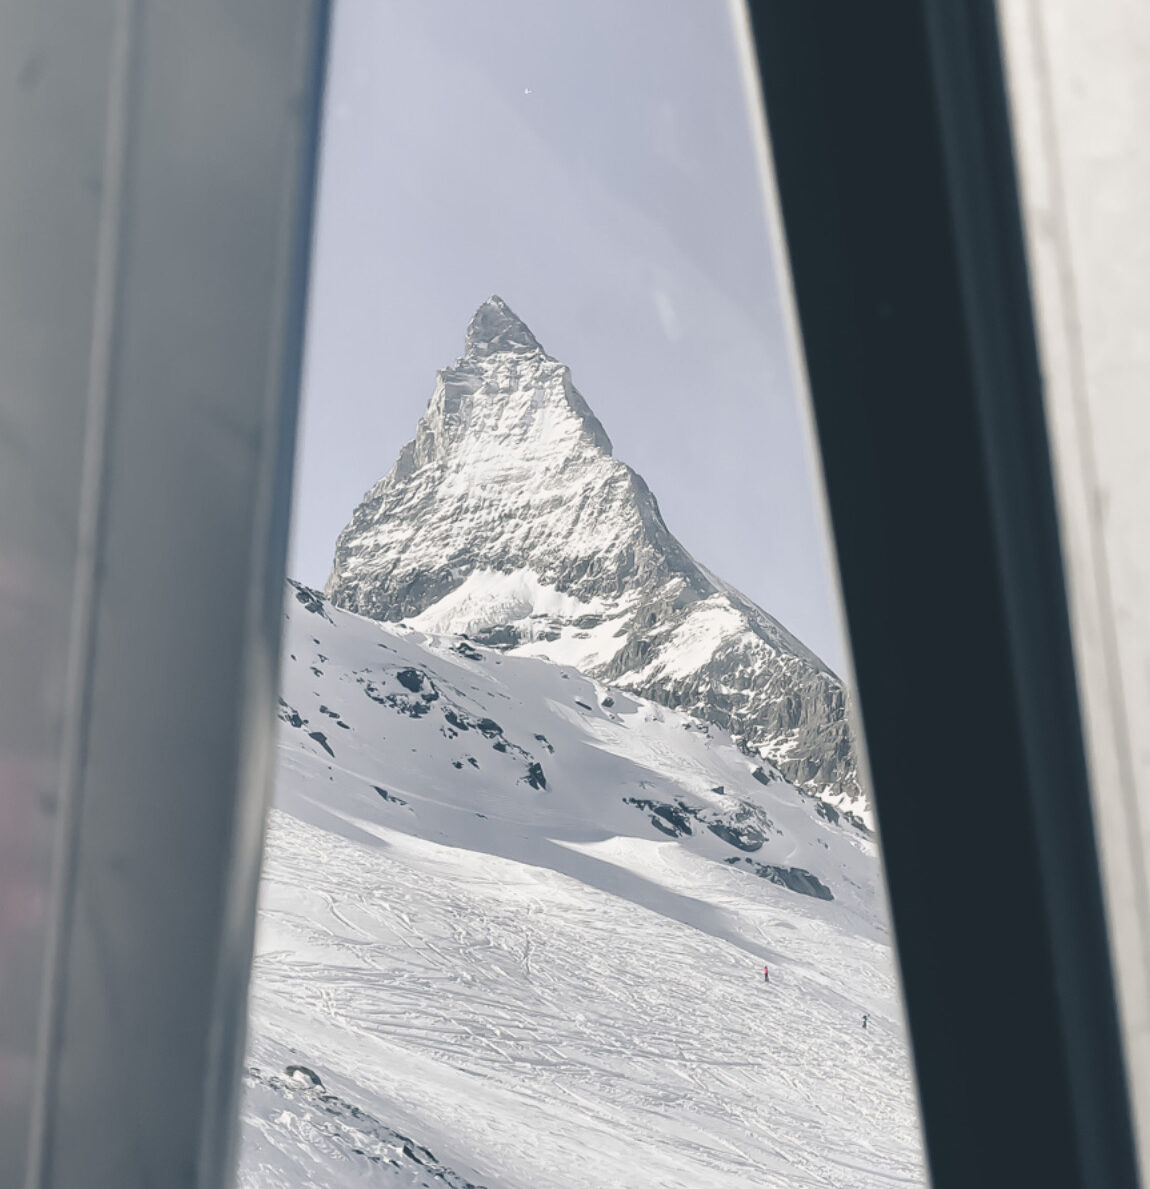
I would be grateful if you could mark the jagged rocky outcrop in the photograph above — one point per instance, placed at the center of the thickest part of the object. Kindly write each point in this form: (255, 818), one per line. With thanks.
(508, 519)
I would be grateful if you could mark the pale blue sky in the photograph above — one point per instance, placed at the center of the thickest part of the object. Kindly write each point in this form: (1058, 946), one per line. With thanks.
(593, 164)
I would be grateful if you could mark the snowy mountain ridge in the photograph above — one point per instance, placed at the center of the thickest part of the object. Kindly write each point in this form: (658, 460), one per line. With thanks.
(508, 519)
(512, 928)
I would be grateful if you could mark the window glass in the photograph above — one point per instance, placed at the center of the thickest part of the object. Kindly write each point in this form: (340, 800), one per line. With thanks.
(571, 877)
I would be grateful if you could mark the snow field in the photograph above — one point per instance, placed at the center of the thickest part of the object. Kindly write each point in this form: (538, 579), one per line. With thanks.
(555, 1035)
(536, 988)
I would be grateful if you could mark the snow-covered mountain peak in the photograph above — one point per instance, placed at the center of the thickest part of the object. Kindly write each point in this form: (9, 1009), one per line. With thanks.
(507, 518)
(496, 327)
(504, 405)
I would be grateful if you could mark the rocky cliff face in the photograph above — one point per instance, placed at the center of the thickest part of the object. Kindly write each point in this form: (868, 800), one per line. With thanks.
(507, 518)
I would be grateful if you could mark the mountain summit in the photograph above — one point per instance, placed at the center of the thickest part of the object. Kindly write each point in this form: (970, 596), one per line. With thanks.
(507, 518)
(495, 327)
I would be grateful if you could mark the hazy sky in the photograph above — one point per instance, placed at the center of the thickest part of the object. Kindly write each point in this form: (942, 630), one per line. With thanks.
(593, 164)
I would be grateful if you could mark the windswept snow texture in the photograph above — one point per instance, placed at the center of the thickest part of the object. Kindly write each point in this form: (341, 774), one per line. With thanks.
(507, 518)
(513, 929)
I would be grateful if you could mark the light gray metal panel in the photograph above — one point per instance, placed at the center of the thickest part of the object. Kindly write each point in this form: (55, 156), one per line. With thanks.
(55, 66)
(154, 204)
(1080, 90)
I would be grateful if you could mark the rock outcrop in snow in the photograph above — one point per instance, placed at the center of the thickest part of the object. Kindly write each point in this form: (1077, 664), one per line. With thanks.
(508, 519)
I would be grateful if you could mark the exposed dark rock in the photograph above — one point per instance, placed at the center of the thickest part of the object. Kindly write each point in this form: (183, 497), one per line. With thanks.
(311, 600)
(321, 739)
(362, 1135)
(741, 826)
(290, 716)
(675, 819)
(302, 1073)
(742, 838)
(827, 811)
(401, 704)
(410, 679)
(503, 636)
(793, 878)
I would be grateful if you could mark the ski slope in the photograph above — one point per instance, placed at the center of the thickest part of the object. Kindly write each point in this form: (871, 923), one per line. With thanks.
(514, 922)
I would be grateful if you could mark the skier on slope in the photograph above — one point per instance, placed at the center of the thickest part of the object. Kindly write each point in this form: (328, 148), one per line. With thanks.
(864, 1021)
(766, 975)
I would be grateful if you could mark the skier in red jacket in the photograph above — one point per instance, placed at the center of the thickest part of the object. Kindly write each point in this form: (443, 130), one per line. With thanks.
(766, 975)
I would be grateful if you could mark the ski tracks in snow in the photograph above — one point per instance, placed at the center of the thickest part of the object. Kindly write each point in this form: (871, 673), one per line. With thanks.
(648, 1047)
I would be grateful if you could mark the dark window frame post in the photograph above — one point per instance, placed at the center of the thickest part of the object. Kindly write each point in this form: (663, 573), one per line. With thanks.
(891, 142)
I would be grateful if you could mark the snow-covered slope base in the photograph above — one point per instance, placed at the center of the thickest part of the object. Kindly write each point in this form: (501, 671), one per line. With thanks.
(514, 923)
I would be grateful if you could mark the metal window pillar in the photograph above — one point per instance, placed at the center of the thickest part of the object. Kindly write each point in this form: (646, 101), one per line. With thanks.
(155, 206)
(891, 141)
